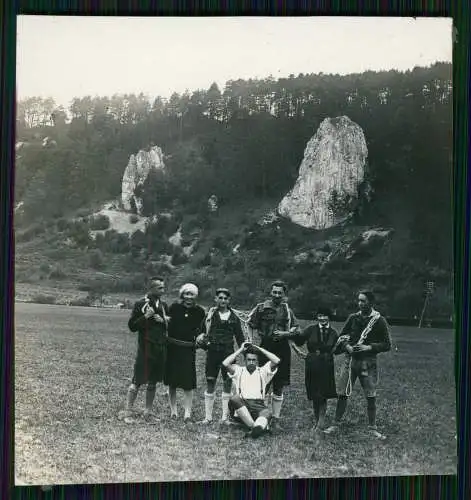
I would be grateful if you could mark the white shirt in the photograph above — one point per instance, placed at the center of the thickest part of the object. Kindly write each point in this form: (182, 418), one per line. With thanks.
(252, 385)
(224, 315)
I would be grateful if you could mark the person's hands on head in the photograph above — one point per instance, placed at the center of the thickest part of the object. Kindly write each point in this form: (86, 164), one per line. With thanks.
(246, 345)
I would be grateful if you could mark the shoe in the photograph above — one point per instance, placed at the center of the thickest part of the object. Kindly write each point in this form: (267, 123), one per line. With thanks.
(257, 431)
(130, 420)
(186, 420)
(127, 416)
(331, 430)
(275, 425)
(150, 417)
(374, 432)
(205, 422)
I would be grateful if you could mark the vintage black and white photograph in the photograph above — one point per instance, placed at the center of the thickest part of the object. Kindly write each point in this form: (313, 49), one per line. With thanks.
(233, 249)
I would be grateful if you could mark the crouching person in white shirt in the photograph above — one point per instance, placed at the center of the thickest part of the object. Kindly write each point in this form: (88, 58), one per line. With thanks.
(250, 381)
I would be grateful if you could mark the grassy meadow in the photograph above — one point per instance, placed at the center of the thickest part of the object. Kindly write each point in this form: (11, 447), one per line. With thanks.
(73, 367)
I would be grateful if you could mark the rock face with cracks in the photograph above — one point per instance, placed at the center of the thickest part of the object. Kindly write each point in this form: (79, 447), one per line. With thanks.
(330, 175)
(136, 173)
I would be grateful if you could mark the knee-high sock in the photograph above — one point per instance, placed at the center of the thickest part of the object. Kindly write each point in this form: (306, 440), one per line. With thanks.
(131, 396)
(208, 405)
(225, 405)
(244, 414)
(277, 402)
(371, 409)
(150, 396)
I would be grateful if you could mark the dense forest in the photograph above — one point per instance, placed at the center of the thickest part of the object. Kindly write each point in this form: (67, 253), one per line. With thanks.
(245, 142)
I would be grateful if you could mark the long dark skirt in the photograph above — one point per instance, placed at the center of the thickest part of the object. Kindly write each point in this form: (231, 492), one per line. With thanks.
(180, 367)
(320, 377)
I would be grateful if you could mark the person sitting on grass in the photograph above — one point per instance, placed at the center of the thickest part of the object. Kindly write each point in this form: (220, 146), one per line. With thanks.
(321, 340)
(149, 318)
(250, 381)
(221, 328)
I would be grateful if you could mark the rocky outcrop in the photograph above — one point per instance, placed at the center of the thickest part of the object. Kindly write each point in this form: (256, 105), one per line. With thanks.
(330, 175)
(135, 174)
(365, 245)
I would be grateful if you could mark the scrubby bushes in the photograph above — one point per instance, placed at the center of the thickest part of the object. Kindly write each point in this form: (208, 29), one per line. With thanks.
(99, 222)
(57, 273)
(41, 298)
(95, 259)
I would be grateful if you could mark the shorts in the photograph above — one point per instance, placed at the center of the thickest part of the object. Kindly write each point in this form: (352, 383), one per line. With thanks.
(282, 349)
(256, 407)
(149, 365)
(364, 369)
(214, 359)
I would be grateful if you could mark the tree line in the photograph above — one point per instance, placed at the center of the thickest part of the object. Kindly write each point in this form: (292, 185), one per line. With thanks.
(247, 141)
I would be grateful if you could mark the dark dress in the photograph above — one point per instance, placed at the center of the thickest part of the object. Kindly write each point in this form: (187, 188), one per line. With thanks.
(184, 326)
(149, 365)
(319, 372)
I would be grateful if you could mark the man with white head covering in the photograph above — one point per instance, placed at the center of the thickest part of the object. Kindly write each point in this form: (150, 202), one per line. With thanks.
(186, 320)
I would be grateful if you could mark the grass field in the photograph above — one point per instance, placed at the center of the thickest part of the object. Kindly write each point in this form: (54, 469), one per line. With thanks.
(72, 370)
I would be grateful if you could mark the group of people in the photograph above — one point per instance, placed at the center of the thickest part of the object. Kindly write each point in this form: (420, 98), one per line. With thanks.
(168, 337)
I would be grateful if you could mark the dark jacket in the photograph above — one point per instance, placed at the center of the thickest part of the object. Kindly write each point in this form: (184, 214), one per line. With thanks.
(221, 334)
(317, 343)
(149, 330)
(378, 338)
(267, 317)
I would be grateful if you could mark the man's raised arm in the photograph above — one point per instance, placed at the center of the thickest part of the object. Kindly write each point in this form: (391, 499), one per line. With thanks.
(230, 360)
(274, 360)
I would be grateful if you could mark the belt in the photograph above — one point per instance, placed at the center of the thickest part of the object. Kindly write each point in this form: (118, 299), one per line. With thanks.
(182, 343)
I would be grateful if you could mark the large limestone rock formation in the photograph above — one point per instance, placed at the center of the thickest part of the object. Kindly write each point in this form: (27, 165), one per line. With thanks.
(330, 174)
(135, 174)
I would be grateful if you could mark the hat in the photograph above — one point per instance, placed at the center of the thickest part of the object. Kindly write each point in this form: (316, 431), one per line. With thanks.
(189, 287)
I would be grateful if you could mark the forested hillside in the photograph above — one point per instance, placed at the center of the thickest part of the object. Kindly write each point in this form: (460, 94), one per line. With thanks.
(244, 143)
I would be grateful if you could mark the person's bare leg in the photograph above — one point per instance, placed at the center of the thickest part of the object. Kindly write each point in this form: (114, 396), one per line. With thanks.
(225, 397)
(339, 413)
(172, 397)
(315, 407)
(322, 408)
(371, 409)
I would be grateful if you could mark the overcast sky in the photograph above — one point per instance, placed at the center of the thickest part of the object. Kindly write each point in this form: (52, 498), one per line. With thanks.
(66, 57)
